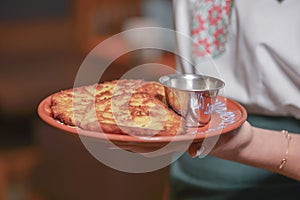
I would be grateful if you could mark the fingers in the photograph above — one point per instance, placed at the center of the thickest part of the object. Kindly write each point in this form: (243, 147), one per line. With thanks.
(152, 151)
(195, 150)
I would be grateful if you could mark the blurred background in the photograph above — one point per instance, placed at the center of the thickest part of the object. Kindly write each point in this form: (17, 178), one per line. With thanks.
(42, 45)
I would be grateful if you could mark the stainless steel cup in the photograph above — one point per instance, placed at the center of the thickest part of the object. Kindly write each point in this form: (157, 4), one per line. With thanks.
(192, 96)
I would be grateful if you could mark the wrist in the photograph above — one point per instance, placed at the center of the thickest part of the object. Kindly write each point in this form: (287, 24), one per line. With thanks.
(247, 147)
(237, 142)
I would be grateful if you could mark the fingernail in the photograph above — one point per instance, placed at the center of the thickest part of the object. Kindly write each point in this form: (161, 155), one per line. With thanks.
(199, 152)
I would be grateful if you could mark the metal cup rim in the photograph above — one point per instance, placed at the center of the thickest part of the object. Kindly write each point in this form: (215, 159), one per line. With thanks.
(165, 78)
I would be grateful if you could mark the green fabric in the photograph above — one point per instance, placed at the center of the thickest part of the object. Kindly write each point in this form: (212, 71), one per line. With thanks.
(215, 179)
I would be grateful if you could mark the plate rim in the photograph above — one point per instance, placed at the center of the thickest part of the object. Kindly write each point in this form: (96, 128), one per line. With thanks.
(44, 113)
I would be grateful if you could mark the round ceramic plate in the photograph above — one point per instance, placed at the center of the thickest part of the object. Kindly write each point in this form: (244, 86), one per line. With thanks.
(227, 116)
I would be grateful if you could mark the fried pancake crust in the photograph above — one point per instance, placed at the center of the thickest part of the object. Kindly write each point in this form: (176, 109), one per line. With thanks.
(136, 114)
(67, 106)
(121, 106)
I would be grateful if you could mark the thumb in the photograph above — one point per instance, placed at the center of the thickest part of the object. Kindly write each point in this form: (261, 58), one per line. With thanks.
(195, 149)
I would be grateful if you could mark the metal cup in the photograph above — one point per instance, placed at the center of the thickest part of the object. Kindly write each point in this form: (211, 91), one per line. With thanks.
(192, 96)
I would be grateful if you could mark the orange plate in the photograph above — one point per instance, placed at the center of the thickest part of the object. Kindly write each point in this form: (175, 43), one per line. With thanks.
(227, 116)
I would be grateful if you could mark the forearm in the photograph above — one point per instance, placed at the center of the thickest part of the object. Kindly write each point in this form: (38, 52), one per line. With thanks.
(267, 148)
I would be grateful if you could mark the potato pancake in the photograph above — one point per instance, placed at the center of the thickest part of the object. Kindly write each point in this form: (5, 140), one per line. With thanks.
(121, 106)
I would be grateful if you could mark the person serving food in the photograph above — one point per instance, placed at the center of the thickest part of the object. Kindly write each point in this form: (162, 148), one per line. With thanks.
(260, 64)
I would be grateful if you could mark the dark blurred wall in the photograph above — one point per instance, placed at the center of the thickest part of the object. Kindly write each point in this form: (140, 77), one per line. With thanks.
(36, 41)
(33, 9)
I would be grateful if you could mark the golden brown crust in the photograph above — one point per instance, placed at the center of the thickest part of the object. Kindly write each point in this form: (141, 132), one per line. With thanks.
(155, 89)
(126, 106)
(69, 105)
(117, 87)
(137, 114)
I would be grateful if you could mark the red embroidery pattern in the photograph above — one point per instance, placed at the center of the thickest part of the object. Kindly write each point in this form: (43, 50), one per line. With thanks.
(210, 22)
(200, 25)
(201, 48)
(214, 15)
